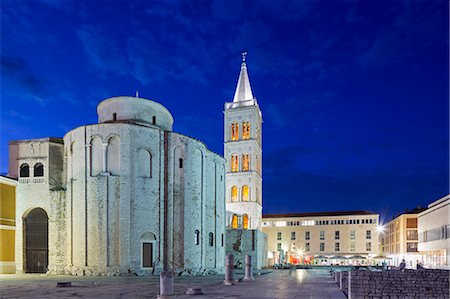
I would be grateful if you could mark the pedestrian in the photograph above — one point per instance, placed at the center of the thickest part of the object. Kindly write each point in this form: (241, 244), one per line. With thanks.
(402, 265)
(419, 265)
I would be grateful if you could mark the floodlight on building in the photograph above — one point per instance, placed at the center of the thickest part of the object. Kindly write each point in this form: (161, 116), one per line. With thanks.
(380, 228)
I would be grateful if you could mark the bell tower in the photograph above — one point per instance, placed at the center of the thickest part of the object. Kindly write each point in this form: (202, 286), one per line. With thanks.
(242, 150)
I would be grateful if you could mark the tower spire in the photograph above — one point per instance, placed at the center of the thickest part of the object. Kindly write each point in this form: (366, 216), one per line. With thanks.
(243, 89)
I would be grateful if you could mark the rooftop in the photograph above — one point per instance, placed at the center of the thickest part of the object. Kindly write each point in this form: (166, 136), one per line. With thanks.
(319, 214)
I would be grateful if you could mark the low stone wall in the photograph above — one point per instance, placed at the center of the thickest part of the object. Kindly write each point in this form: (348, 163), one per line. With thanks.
(426, 283)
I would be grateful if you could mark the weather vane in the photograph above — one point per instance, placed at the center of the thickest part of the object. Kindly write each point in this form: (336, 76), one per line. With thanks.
(244, 54)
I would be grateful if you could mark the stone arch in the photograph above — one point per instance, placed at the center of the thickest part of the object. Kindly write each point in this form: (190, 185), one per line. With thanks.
(113, 155)
(96, 157)
(145, 163)
(35, 240)
(148, 250)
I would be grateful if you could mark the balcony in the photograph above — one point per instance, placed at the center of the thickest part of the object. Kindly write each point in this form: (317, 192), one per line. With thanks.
(39, 180)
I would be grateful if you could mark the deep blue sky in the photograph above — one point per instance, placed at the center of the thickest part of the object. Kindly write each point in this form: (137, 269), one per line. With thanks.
(354, 95)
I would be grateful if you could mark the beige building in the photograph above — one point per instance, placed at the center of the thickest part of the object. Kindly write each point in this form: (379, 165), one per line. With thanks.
(399, 239)
(349, 237)
(7, 224)
(434, 234)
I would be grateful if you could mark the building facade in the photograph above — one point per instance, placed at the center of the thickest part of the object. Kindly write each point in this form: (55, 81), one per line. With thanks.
(242, 150)
(434, 234)
(399, 239)
(7, 224)
(322, 238)
(96, 197)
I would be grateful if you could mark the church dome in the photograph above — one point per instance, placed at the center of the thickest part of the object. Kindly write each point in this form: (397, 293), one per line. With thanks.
(135, 110)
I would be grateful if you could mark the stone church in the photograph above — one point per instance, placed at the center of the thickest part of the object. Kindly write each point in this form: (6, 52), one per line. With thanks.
(129, 195)
(93, 202)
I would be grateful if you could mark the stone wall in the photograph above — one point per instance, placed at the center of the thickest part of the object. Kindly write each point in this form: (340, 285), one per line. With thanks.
(242, 242)
(426, 283)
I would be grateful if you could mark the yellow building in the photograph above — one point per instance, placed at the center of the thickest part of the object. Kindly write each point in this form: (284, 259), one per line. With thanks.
(400, 238)
(7, 224)
(348, 237)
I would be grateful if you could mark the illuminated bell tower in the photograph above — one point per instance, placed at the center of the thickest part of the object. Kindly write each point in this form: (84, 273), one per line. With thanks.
(242, 150)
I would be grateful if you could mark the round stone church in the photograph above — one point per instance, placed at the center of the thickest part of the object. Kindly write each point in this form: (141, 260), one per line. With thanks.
(95, 202)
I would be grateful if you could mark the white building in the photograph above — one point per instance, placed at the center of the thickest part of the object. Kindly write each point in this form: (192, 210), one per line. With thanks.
(345, 237)
(242, 150)
(434, 234)
(93, 202)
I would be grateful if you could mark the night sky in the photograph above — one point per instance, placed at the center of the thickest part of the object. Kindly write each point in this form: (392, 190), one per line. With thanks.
(354, 95)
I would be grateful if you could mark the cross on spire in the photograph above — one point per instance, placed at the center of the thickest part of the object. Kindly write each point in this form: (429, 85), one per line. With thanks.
(244, 55)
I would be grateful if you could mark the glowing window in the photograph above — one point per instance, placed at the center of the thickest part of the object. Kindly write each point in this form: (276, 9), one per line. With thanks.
(234, 222)
(235, 132)
(245, 162)
(234, 194)
(245, 130)
(245, 193)
(245, 221)
(234, 163)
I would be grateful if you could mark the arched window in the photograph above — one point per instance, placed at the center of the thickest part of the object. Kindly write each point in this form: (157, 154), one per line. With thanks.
(38, 170)
(234, 194)
(245, 193)
(197, 237)
(245, 162)
(154, 120)
(234, 222)
(245, 130)
(144, 163)
(180, 163)
(96, 156)
(234, 132)
(211, 239)
(114, 116)
(245, 221)
(113, 156)
(234, 163)
(24, 171)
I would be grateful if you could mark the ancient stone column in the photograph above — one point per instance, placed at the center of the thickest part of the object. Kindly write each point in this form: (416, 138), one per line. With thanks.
(229, 265)
(165, 284)
(248, 268)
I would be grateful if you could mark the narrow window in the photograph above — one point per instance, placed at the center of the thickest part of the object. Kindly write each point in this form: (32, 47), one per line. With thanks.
(245, 162)
(245, 221)
(336, 235)
(114, 116)
(38, 170)
(154, 120)
(292, 235)
(211, 239)
(336, 246)
(368, 234)
(197, 237)
(245, 130)
(222, 240)
(253, 240)
(234, 132)
(234, 163)
(306, 246)
(180, 161)
(245, 193)
(234, 222)
(352, 235)
(24, 171)
(322, 246)
(369, 246)
(322, 235)
(279, 236)
(234, 194)
(307, 235)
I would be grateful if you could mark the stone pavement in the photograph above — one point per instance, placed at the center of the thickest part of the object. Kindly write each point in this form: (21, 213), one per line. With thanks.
(282, 284)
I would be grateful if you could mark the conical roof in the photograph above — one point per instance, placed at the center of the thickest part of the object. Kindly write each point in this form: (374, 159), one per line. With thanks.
(243, 89)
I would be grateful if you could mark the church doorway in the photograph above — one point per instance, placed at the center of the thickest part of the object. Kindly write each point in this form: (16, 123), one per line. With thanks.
(36, 241)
